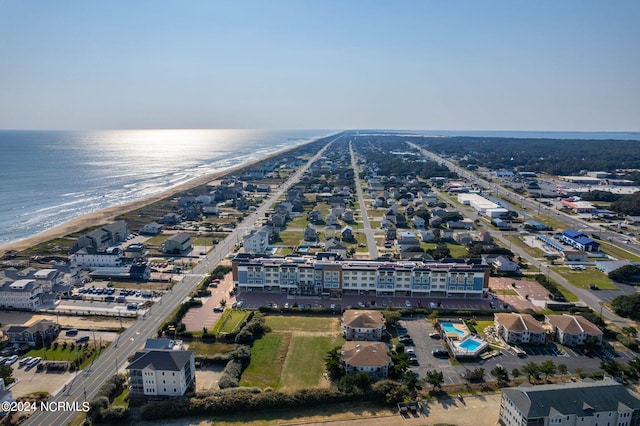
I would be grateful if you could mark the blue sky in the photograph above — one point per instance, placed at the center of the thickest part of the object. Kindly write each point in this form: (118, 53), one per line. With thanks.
(462, 65)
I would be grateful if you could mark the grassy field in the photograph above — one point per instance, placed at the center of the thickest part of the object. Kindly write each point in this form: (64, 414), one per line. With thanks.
(282, 323)
(67, 354)
(290, 238)
(304, 364)
(583, 279)
(210, 349)
(617, 252)
(229, 320)
(267, 359)
(292, 355)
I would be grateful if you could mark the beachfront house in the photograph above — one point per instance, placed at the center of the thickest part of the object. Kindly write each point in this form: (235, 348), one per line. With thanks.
(153, 228)
(105, 236)
(156, 373)
(88, 257)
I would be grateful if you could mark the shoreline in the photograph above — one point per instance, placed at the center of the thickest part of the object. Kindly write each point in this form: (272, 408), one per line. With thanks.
(108, 214)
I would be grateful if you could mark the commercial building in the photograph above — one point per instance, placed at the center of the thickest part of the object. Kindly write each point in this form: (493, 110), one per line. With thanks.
(308, 275)
(579, 240)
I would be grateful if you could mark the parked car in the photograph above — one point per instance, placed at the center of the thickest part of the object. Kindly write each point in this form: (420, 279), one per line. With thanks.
(71, 332)
(440, 353)
(218, 309)
(25, 361)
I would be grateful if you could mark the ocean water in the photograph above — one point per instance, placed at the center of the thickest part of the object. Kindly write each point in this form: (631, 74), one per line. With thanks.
(50, 177)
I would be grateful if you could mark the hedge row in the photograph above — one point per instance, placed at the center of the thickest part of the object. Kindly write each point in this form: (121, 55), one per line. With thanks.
(240, 358)
(242, 400)
(99, 411)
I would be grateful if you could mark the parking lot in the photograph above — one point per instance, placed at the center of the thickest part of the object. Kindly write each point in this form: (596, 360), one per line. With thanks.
(420, 328)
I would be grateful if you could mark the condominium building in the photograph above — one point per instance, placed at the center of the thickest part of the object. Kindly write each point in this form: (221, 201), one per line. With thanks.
(585, 403)
(308, 275)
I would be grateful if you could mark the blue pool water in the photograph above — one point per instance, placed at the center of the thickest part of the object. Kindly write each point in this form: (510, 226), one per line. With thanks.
(470, 345)
(450, 328)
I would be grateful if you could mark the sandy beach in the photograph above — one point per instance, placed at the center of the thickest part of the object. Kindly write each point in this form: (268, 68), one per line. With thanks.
(108, 214)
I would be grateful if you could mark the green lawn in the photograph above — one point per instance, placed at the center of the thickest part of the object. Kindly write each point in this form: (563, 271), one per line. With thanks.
(156, 240)
(210, 349)
(229, 320)
(267, 359)
(480, 326)
(583, 279)
(66, 354)
(279, 323)
(458, 251)
(290, 238)
(299, 222)
(304, 365)
(617, 252)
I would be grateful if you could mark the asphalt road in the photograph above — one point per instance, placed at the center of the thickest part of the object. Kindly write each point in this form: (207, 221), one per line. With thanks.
(368, 232)
(87, 383)
(587, 296)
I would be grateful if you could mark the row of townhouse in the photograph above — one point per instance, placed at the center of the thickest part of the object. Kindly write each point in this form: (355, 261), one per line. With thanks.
(568, 330)
(308, 275)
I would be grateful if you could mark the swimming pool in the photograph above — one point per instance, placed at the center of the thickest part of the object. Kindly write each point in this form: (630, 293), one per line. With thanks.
(470, 345)
(451, 328)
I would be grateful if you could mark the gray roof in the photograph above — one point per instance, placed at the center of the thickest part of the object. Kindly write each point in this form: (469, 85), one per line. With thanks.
(166, 360)
(580, 398)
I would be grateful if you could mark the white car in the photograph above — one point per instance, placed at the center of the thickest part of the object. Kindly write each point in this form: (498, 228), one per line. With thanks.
(407, 303)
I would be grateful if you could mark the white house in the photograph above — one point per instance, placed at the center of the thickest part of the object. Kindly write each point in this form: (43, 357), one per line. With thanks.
(162, 373)
(257, 241)
(87, 257)
(153, 228)
(20, 294)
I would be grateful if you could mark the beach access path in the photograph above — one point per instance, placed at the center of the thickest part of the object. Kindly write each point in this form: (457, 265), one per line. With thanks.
(114, 358)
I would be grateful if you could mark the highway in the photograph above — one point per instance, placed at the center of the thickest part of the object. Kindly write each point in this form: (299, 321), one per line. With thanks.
(586, 296)
(87, 383)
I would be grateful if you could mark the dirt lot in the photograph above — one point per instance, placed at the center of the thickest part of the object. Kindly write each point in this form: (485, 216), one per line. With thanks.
(207, 377)
(88, 323)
